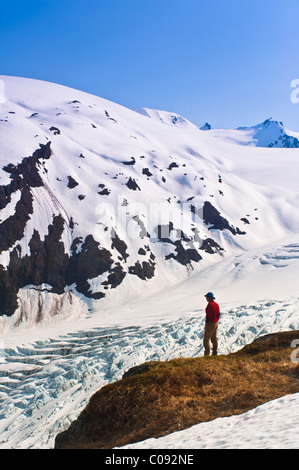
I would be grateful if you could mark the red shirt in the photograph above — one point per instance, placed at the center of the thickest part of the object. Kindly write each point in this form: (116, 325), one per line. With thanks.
(212, 312)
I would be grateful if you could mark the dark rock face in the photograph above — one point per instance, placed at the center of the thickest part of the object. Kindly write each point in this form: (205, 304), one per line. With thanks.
(25, 174)
(72, 183)
(47, 262)
(289, 142)
(173, 165)
(88, 263)
(144, 271)
(210, 246)
(104, 192)
(145, 171)
(131, 162)
(12, 229)
(284, 140)
(120, 246)
(55, 130)
(206, 127)
(212, 217)
(42, 266)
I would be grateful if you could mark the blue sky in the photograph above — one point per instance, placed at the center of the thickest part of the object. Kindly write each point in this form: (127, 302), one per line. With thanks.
(228, 62)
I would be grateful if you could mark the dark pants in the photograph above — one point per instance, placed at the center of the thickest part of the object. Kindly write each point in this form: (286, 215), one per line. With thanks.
(210, 335)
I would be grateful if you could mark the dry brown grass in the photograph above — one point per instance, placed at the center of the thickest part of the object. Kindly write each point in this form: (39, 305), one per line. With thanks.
(182, 392)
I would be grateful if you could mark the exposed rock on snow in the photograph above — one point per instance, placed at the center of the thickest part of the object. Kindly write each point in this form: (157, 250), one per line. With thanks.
(2, 91)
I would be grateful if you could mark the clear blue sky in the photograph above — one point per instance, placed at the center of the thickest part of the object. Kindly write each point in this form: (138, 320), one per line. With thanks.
(228, 62)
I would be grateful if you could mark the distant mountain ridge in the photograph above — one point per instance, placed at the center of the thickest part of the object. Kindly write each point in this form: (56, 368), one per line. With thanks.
(269, 133)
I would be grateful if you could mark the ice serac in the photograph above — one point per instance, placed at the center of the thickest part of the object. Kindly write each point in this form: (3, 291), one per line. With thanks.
(100, 204)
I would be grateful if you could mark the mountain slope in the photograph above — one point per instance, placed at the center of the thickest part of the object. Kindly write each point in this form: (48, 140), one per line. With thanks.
(172, 119)
(100, 204)
(158, 398)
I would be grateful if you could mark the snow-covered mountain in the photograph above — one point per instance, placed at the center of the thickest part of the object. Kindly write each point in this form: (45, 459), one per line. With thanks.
(101, 204)
(272, 133)
(113, 225)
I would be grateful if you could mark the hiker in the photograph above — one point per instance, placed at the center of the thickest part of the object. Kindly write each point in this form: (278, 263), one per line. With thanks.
(212, 317)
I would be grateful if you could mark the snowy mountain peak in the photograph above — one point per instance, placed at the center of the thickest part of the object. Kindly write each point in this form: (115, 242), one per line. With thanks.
(206, 127)
(271, 133)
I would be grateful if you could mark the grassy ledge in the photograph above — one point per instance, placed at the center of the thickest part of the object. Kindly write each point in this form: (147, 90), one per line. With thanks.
(158, 398)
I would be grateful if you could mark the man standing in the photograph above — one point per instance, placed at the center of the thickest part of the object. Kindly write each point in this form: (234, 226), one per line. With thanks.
(212, 317)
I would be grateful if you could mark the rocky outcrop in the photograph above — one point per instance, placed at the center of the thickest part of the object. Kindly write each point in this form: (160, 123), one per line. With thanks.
(47, 262)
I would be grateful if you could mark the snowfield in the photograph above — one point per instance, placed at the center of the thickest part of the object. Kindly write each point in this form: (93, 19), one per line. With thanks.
(58, 348)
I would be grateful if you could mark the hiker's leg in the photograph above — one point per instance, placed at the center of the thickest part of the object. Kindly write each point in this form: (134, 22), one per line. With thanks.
(207, 336)
(214, 339)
